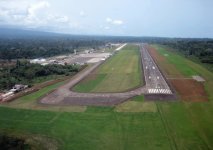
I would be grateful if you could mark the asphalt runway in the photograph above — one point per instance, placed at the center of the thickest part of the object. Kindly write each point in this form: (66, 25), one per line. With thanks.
(154, 84)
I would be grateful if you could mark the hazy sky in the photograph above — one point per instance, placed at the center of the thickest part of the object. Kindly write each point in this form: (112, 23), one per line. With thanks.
(167, 18)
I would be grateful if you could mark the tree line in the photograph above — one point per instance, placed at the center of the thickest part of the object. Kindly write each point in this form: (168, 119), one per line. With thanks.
(202, 49)
(26, 73)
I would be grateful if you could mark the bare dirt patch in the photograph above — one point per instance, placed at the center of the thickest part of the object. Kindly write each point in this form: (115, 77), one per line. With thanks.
(189, 90)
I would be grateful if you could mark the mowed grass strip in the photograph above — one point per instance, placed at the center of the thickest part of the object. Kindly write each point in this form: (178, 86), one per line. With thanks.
(88, 86)
(119, 73)
(135, 107)
(189, 125)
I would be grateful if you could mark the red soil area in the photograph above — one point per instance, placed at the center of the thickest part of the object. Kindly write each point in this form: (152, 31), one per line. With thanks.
(189, 90)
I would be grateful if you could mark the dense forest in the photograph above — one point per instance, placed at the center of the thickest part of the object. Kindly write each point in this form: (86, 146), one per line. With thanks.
(45, 47)
(26, 73)
(18, 44)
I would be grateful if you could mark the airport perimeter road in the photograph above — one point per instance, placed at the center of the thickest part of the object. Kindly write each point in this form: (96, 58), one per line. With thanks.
(155, 84)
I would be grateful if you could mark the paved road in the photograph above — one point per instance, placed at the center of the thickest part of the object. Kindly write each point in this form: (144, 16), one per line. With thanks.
(155, 84)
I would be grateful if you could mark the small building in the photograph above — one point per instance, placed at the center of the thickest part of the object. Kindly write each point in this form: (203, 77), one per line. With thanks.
(18, 88)
(38, 61)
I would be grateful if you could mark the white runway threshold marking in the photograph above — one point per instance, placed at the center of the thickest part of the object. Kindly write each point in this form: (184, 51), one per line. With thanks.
(159, 91)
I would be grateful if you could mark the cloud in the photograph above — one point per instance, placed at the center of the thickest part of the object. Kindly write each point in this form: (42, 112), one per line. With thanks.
(82, 14)
(106, 28)
(62, 19)
(117, 22)
(114, 21)
(37, 14)
(34, 8)
(32, 15)
(11, 15)
(109, 20)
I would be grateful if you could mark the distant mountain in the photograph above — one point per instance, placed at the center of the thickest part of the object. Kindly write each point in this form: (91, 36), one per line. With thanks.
(15, 33)
(12, 33)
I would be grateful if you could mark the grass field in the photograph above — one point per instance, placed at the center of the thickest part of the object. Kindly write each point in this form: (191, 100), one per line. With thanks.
(120, 73)
(134, 125)
(134, 106)
(169, 126)
(97, 128)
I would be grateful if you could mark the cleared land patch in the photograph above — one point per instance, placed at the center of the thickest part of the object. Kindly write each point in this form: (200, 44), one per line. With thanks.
(190, 90)
(120, 73)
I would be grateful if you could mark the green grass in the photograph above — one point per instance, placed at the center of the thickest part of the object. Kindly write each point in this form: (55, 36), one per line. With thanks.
(119, 73)
(189, 125)
(90, 130)
(192, 58)
(46, 78)
(179, 62)
(138, 98)
(167, 126)
(135, 106)
(88, 86)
